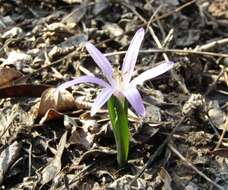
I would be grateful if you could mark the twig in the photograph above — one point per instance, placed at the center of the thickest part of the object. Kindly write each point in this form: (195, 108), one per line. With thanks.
(148, 26)
(30, 160)
(110, 39)
(173, 73)
(74, 53)
(176, 51)
(175, 151)
(214, 128)
(222, 135)
(213, 44)
(79, 175)
(168, 38)
(158, 21)
(9, 123)
(211, 87)
(153, 20)
(181, 51)
(157, 152)
(46, 67)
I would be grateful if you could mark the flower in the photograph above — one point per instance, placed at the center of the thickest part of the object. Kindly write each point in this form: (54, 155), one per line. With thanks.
(119, 83)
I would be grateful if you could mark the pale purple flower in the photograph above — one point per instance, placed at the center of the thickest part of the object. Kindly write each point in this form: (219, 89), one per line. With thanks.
(119, 84)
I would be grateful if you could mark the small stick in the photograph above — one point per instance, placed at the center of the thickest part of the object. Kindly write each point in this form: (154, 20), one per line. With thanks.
(30, 160)
(153, 20)
(213, 44)
(173, 73)
(148, 26)
(222, 135)
(175, 151)
(211, 87)
(176, 51)
(182, 51)
(75, 53)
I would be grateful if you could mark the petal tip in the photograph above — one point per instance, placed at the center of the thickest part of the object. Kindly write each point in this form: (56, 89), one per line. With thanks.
(171, 63)
(142, 112)
(139, 34)
(141, 30)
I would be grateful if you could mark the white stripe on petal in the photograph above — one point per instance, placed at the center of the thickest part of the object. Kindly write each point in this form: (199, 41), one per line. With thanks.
(101, 61)
(101, 99)
(131, 55)
(152, 73)
(135, 99)
(83, 79)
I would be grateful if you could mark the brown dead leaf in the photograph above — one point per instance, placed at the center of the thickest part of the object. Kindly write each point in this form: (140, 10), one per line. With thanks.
(166, 178)
(23, 90)
(49, 115)
(223, 152)
(52, 103)
(8, 75)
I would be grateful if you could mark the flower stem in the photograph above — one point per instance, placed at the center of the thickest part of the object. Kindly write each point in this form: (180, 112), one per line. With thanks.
(119, 119)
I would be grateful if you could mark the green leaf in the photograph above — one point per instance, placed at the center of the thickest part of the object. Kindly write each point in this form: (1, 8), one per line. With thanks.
(119, 119)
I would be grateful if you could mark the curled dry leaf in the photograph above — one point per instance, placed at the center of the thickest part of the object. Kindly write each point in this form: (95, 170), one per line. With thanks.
(123, 183)
(113, 29)
(166, 178)
(49, 115)
(67, 46)
(75, 16)
(50, 101)
(219, 8)
(216, 114)
(18, 59)
(8, 75)
(81, 136)
(7, 157)
(12, 33)
(195, 101)
(100, 6)
(54, 167)
(6, 21)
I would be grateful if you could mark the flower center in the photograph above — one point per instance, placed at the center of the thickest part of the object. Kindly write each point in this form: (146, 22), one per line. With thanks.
(118, 78)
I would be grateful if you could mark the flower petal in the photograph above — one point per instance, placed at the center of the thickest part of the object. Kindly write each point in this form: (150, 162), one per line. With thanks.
(101, 61)
(134, 98)
(151, 73)
(131, 55)
(83, 79)
(101, 99)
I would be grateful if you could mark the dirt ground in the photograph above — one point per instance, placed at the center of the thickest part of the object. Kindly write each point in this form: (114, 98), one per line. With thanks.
(54, 143)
